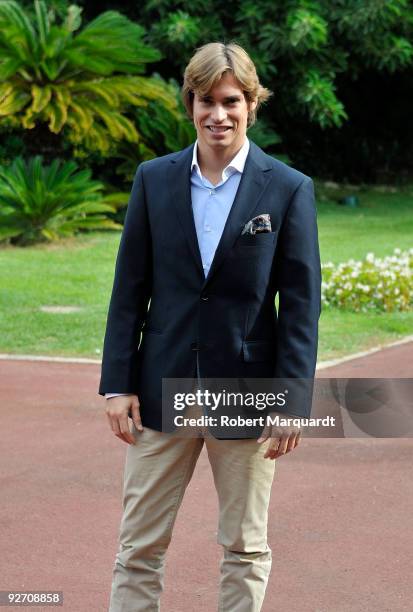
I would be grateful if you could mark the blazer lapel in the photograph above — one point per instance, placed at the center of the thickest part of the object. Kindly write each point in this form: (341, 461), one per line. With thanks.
(179, 179)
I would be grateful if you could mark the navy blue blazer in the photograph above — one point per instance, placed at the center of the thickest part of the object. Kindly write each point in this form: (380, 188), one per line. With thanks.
(164, 313)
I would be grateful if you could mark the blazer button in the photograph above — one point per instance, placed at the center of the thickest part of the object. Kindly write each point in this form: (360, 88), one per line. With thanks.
(204, 298)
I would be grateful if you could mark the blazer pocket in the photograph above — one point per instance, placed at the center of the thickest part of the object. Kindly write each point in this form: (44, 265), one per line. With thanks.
(258, 350)
(256, 240)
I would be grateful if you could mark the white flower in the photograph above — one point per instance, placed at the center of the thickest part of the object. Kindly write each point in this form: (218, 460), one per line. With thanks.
(382, 283)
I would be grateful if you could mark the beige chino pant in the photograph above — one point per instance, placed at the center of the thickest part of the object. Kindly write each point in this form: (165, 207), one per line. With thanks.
(157, 471)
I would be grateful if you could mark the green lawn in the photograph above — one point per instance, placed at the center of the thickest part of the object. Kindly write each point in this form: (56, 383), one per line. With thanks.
(79, 272)
(383, 222)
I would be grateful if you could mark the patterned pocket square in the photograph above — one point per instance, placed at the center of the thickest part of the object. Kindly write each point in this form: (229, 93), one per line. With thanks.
(257, 225)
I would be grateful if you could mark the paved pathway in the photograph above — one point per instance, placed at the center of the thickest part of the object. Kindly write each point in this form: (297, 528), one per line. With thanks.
(340, 518)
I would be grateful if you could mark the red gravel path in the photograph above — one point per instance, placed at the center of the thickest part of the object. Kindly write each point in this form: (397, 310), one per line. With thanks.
(340, 520)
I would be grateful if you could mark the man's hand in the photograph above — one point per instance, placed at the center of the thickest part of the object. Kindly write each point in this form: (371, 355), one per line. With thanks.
(117, 409)
(282, 439)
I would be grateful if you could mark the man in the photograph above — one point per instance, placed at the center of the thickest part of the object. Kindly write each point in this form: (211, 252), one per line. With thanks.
(211, 234)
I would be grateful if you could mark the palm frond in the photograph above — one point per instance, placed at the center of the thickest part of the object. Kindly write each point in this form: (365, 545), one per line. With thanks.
(41, 97)
(12, 100)
(44, 202)
(85, 82)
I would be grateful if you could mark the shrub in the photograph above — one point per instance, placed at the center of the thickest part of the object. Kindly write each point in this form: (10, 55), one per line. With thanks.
(40, 203)
(372, 284)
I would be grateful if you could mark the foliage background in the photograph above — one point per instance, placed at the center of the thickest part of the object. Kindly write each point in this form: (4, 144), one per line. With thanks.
(341, 72)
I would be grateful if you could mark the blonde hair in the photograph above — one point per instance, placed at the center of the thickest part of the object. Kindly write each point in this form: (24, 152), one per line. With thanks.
(207, 66)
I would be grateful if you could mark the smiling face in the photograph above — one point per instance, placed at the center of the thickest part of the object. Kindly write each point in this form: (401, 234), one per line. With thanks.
(220, 117)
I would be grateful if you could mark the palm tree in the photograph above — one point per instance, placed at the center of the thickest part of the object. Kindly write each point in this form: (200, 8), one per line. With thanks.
(43, 203)
(79, 81)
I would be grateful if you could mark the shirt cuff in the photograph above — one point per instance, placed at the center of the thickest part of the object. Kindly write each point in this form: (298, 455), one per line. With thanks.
(109, 395)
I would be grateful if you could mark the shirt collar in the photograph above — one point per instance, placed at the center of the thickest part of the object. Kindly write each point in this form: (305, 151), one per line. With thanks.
(235, 165)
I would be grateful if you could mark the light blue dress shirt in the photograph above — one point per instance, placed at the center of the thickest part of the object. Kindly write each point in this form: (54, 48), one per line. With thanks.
(211, 203)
